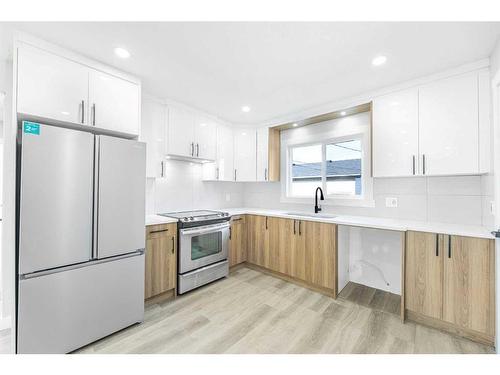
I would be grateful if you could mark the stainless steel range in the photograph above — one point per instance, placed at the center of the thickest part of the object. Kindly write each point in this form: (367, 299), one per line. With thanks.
(203, 247)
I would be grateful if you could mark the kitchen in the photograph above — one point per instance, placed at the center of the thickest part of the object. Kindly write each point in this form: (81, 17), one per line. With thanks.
(201, 220)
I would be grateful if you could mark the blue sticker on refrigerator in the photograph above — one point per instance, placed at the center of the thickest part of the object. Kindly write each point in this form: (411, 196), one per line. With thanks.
(31, 128)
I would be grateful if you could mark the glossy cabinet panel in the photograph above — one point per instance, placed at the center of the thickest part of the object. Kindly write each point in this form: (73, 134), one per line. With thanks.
(395, 134)
(262, 154)
(180, 137)
(205, 138)
(448, 126)
(244, 155)
(153, 125)
(51, 86)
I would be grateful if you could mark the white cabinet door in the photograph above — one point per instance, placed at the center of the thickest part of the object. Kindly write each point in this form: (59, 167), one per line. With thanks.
(448, 129)
(153, 124)
(114, 103)
(262, 154)
(395, 134)
(225, 153)
(51, 86)
(180, 139)
(205, 138)
(245, 155)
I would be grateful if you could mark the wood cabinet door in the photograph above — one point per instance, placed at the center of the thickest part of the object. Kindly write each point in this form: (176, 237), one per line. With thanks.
(258, 240)
(469, 291)
(321, 259)
(424, 273)
(114, 102)
(298, 251)
(161, 259)
(285, 246)
(237, 242)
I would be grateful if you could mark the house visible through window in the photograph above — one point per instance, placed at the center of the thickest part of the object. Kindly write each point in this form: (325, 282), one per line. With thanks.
(335, 166)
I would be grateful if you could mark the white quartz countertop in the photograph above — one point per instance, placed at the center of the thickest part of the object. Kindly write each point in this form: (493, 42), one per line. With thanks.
(356, 221)
(157, 219)
(374, 222)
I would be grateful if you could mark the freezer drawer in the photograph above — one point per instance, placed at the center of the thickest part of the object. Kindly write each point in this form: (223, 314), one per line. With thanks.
(63, 311)
(56, 188)
(120, 205)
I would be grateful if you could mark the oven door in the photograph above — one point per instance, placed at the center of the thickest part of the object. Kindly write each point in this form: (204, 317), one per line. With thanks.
(201, 246)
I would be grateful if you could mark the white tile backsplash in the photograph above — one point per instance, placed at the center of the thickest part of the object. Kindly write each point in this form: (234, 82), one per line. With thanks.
(457, 185)
(183, 189)
(463, 209)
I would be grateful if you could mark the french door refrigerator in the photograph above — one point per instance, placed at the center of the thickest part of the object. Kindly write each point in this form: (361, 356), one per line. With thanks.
(80, 237)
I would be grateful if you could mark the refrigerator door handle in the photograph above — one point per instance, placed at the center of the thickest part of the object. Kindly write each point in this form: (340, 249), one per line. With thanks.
(95, 221)
(33, 275)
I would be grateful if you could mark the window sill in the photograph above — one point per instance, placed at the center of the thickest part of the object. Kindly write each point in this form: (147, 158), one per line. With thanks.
(344, 202)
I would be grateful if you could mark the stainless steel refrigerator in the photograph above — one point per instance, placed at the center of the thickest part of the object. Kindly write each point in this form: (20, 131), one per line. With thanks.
(80, 237)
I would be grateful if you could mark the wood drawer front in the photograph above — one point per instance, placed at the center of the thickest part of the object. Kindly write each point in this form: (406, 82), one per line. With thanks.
(161, 230)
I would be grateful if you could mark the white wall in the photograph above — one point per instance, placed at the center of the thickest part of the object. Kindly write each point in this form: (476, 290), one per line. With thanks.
(183, 189)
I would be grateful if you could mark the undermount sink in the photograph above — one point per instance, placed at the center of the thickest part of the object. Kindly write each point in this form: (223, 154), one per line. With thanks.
(307, 214)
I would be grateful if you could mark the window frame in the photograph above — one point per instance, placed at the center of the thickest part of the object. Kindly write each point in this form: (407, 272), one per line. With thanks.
(365, 199)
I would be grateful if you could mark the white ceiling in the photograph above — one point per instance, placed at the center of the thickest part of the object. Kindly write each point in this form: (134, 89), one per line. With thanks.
(275, 68)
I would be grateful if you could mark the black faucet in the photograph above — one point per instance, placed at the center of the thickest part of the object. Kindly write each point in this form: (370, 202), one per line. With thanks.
(321, 197)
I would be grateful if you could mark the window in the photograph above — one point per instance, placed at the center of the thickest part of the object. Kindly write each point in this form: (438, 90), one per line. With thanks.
(343, 168)
(335, 165)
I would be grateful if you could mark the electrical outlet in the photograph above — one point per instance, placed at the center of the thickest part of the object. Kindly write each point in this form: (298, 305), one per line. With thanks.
(391, 202)
(228, 197)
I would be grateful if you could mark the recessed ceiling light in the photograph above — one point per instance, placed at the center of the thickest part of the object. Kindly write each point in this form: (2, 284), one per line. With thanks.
(295, 124)
(379, 60)
(343, 113)
(122, 53)
(245, 108)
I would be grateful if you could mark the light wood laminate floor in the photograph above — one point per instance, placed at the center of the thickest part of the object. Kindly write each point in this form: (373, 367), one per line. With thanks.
(251, 312)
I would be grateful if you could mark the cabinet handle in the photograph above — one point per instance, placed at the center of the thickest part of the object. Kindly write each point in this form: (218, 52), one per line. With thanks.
(294, 226)
(162, 169)
(265, 174)
(266, 222)
(93, 114)
(192, 148)
(235, 175)
(414, 165)
(158, 231)
(173, 244)
(217, 173)
(230, 232)
(449, 246)
(300, 232)
(423, 163)
(83, 111)
(437, 245)
(237, 219)
(197, 150)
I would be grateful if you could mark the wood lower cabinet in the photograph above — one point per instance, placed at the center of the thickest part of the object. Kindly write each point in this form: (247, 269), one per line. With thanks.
(449, 283)
(320, 253)
(258, 240)
(423, 277)
(302, 250)
(237, 241)
(161, 259)
(469, 276)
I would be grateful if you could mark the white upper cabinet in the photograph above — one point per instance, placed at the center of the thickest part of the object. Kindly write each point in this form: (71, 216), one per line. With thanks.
(223, 168)
(57, 88)
(114, 103)
(205, 137)
(448, 126)
(180, 139)
(51, 86)
(154, 117)
(395, 134)
(444, 125)
(262, 154)
(191, 135)
(245, 157)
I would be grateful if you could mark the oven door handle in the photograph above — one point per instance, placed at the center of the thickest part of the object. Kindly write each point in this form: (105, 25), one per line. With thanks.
(202, 230)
